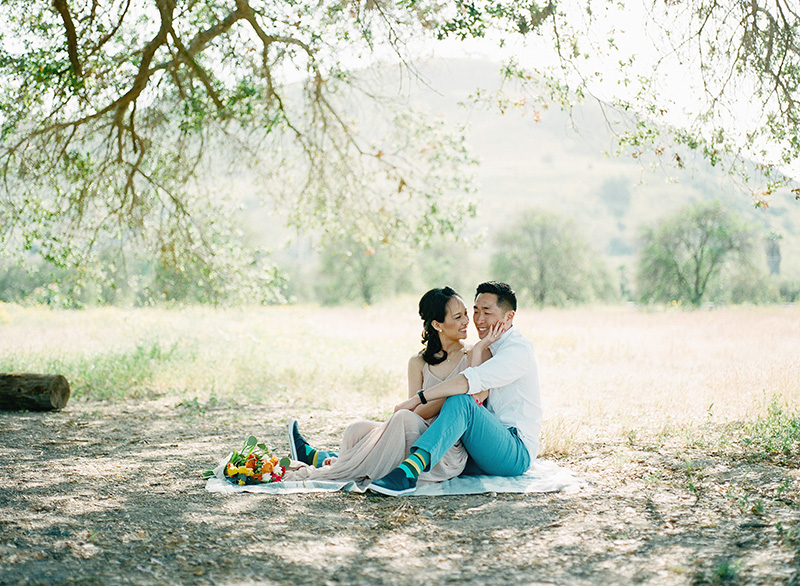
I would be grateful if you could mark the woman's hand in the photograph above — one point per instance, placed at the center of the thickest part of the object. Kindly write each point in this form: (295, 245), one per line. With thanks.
(496, 332)
(482, 396)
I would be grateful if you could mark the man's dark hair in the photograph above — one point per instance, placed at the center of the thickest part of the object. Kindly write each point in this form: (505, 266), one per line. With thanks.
(506, 298)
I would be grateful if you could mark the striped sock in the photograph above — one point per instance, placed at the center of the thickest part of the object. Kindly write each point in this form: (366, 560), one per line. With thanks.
(317, 457)
(415, 464)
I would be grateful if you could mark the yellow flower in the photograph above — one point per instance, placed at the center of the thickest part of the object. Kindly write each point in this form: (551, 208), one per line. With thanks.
(241, 483)
(244, 470)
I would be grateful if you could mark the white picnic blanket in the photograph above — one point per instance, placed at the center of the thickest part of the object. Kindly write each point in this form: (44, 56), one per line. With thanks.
(544, 476)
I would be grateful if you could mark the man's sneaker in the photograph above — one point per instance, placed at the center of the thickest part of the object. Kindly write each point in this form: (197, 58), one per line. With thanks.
(396, 483)
(298, 445)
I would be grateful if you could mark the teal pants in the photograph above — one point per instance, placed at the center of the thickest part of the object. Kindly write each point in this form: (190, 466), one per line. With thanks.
(494, 448)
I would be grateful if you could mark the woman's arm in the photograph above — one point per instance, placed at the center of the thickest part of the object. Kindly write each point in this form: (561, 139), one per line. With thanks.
(429, 409)
(415, 364)
(457, 385)
(480, 353)
(477, 355)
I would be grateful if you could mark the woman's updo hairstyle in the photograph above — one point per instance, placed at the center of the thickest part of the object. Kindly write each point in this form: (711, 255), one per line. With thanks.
(433, 307)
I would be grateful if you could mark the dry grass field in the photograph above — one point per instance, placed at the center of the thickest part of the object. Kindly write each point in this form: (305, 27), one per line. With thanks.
(684, 424)
(603, 370)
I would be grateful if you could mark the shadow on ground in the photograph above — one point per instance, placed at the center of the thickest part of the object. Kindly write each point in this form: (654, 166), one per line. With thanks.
(112, 493)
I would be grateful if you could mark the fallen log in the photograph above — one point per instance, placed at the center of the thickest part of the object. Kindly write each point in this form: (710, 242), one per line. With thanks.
(35, 392)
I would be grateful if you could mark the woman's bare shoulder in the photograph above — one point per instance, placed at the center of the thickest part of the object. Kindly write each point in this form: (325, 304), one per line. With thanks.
(416, 361)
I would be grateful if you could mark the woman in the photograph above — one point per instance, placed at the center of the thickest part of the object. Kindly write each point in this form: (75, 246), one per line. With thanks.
(371, 449)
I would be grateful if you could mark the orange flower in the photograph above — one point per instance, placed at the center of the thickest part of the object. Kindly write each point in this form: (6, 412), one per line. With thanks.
(267, 468)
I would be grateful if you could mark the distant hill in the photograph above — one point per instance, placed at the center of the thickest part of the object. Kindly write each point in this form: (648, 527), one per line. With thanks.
(558, 162)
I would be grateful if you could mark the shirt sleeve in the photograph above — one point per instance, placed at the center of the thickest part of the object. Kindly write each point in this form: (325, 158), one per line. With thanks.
(508, 365)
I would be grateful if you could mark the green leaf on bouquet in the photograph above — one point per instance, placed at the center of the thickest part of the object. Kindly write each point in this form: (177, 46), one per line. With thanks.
(285, 462)
(208, 473)
(262, 447)
(250, 441)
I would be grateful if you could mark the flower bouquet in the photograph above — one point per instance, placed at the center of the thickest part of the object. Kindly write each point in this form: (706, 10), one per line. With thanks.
(252, 465)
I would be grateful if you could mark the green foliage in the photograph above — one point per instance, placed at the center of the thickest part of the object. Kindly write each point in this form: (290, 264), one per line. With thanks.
(546, 258)
(20, 284)
(727, 571)
(447, 262)
(411, 190)
(776, 434)
(683, 254)
(234, 275)
(122, 127)
(349, 272)
(749, 284)
(790, 536)
(346, 272)
(789, 291)
(114, 374)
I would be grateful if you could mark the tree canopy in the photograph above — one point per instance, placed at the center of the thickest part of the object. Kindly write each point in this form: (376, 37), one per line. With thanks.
(132, 120)
(130, 123)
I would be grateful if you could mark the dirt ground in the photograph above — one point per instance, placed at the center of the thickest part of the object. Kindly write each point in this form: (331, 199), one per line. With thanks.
(112, 494)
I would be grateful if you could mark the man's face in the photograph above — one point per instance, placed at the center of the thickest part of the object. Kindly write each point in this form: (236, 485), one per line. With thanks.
(486, 313)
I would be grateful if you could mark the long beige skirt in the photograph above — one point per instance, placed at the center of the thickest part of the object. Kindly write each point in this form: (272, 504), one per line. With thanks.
(371, 449)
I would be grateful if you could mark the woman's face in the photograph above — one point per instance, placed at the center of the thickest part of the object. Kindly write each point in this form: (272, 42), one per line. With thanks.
(456, 321)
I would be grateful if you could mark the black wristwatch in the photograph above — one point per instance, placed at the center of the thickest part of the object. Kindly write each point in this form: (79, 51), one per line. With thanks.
(422, 398)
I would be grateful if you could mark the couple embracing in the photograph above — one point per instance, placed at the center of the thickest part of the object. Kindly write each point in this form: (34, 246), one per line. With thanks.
(469, 410)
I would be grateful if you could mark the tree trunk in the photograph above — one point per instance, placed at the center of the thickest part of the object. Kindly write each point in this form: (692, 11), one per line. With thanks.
(35, 392)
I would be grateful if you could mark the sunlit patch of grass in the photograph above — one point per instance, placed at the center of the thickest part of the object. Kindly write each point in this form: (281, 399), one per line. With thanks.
(558, 437)
(132, 373)
(616, 370)
(285, 355)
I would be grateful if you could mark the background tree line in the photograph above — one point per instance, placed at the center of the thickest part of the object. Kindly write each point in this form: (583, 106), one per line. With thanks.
(702, 253)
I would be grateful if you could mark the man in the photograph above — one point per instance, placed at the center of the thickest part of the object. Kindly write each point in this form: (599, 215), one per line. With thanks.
(502, 440)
